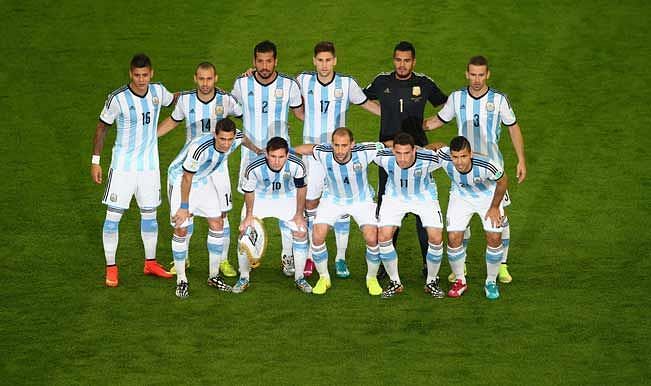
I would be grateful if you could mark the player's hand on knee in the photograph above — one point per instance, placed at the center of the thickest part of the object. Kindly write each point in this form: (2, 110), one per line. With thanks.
(246, 222)
(495, 216)
(301, 225)
(180, 217)
(96, 173)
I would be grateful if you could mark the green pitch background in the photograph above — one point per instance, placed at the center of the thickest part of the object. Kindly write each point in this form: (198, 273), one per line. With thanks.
(576, 312)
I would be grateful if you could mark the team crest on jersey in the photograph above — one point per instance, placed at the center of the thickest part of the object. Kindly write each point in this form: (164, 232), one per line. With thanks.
(114, 197)
(339, 93)
(279, 93)
(357, 166)
(194, 164)
(477, 180)
(285, 175)
(219, 110)
(418, 173)
(415, 91)
(266, 182)
(155, 101)
(490, 106)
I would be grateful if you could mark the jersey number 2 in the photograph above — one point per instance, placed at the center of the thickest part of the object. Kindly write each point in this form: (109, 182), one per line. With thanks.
(265, 104)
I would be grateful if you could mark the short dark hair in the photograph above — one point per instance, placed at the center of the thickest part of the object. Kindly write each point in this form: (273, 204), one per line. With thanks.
(324, 47)
(140, 61)
(206, 66)
(459, 143)
(478, 61)
(224, 124)
(341, 131)
(276, 143)
(405, 46)
(403, 138)
(265, 46)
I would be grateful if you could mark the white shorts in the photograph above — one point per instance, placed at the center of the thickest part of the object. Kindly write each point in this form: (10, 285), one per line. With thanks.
(222, 181)
(121, 186)
(460, 211)
(247, 157)
(281, 208)
(315, 178)
(394, 209)
(506, 201)
(362, 212)
(204, 201)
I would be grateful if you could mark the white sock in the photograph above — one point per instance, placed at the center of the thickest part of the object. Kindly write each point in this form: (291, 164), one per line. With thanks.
(320, 257)
(342, 232)
(372, 261)
(110, 233)
(243, 263)
(434, 257)
(457, 259)
(506, 238)
(180, 253)
(149, 231)
(493, 259)
(310, 215)
(390, 260)
(215, 243)
(188, 236)
(466, 237)
(300, 255)
(227, 239)
(286, 238)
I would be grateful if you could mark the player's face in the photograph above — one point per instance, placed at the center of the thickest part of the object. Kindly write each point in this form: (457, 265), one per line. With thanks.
(224, 140)
(477, 77)
(404, 63)
(405, 155)
(140, 78)
(325, 63)
(342, 146)
(276, 158)
(462, 160)
(265, 64)
(205, 79)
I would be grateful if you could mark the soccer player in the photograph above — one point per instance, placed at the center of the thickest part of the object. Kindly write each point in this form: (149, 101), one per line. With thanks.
(480, 111)
(192, 192)
(274, 186)
(327, 96)
(201, 109)
(478, 186)
(347, 193)
(134, 162)
(266, 97)
(410, 189)
(403, 95)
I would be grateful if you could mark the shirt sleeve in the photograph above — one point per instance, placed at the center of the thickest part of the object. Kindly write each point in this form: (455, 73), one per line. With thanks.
(433, 164)
(192, 162)
(237, 92)
(234, 107)
(355, 93)
(436, 96)
(166, 97)
(178, 114)
(447, 112)
(372, 91)
(250, 180)
(506, 113)
(295, 98)
(495, 172)
(110, 111)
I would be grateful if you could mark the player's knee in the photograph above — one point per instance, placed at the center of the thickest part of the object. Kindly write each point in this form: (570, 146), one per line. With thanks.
(455, 239)
(181, 232)
(299, 236)
(216, 224)
(311, 204)
(435, 238)
(493, 239)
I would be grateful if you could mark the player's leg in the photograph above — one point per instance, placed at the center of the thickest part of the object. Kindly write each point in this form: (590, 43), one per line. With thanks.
(382, 182)
(215, 244)
(224, 265)
(389, 258)
(458, 217)
(221, 179)
(287, 255)
(310, 215)
(466, 238)
(320, 257)
(148, 198)
(504, 275)
(370, 233)
(300, 247)
(494, 252)
(431, 218)
(316, 182)
(342, 233)
(180, 253)
(423, 242)
(110, 241)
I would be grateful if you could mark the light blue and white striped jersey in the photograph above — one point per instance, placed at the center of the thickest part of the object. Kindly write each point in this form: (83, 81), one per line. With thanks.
(201, 117)
(272, 184)
(348, 183)
(326, 104)
(414, 182)
(200, 157)
(480, 119)
(265, 108)
(478, 182)
(136, 143)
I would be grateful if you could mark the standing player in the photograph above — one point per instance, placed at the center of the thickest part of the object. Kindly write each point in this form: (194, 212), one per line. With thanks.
(201, 109)
(274, 186)
(134, 162)
(266, 97)
(410, 189)
(327, 95)
(192, 192)
(480, 111)
(478, 186)
(347, 193)
(403, 95)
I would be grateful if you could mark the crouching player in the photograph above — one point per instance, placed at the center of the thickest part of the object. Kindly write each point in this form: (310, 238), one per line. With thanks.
(410, 189)
(192, 192)
(478, 186)
(347, 192)
(274, 186)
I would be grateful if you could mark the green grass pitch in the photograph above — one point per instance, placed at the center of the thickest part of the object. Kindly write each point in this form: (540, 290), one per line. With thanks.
(576, 312)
